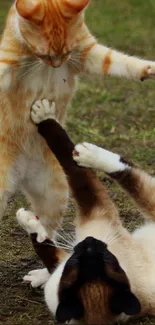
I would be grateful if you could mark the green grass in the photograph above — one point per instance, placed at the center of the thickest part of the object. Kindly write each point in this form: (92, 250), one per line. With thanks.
(118, 114)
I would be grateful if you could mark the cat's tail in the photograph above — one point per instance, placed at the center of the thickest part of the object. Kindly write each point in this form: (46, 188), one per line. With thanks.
(135, 181)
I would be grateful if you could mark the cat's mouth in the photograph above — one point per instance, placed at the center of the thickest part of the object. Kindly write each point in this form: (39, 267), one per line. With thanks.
(54, 61)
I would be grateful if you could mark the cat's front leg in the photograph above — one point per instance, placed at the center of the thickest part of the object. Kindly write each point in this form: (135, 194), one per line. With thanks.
(100, 59)
(43, 246)
(92, 156)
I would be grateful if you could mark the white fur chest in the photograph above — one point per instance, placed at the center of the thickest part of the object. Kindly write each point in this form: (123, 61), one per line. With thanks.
(50, 83)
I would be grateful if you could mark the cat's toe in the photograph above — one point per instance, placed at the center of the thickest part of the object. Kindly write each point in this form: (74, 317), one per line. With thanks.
(83, 155)
(43, 110)
(37, 278)
(49, 109)
(35, 116)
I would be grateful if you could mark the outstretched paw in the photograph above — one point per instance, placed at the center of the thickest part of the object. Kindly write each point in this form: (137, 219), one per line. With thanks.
(43, 110)
(31, 224)
(148, 72)
(89, 155)
(85, 154)
(37, 278)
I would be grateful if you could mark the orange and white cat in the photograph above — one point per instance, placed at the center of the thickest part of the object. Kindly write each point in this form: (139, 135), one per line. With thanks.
(44, 46)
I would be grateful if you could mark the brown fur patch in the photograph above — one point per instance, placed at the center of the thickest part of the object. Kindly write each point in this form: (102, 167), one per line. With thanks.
(48, 253)
(107, 63)
(140, 186)
(86, 51)
(95, 298)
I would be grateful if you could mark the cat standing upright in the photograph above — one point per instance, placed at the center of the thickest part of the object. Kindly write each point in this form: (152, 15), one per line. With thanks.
(44, 46)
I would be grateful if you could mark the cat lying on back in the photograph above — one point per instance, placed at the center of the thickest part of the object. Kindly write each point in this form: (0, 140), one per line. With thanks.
(44, 46)
(108, 275)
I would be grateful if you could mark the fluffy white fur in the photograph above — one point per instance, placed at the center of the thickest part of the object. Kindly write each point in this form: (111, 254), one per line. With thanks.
(30, 223)
(90, 155)
(37, 278)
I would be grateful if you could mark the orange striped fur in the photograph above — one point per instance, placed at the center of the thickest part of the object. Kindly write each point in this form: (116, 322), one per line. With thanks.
(44, 46)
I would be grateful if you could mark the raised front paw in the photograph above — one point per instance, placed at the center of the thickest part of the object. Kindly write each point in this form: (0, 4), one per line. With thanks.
(31, 224)
(37, 278)
(84, 154)
(43, 110)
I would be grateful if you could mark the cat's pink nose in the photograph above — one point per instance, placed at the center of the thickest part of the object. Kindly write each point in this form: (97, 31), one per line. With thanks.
(56, 63)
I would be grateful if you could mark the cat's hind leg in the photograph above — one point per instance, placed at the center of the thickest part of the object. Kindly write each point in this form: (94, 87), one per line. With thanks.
(48, 190)
(9, 177)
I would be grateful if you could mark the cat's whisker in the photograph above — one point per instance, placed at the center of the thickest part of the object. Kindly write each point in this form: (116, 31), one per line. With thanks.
(69, 236)
(76, 60)
(57, 246)
(105, 239)
(114, 239)
(69, 239)
(62, 237)
(21, 66)
(65, 242)
(32, 69)
(74, 65)
(62, 245)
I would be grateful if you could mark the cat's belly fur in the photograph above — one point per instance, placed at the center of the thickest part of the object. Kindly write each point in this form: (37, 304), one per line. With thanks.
(31, 163)
(56, 85)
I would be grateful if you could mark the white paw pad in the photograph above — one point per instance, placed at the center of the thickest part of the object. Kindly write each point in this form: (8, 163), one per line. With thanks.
(84, 154)
(37, 278)
(31, 224)
(43, 110)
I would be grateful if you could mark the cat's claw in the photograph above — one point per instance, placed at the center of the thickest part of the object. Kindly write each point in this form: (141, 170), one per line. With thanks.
(43, 110)
(31, 224)
(37, 278)
(85, 154)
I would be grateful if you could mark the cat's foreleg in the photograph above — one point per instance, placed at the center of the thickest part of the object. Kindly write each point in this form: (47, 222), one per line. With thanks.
(43, 246)
(92, 156)
(87, 190)
(136, 182)
(99, 59)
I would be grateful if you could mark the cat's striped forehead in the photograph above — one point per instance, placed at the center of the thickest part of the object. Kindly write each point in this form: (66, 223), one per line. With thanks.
(38, 10)
(55, 20)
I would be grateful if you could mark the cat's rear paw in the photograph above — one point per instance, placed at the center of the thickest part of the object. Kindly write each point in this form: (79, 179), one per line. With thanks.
(31, 224)
(43, 110)
(37, 278)
(84, 154)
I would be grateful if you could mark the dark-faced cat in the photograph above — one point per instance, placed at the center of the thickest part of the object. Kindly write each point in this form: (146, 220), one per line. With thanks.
(108, 275)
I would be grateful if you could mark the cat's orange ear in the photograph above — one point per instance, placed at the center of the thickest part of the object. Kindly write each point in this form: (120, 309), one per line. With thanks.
(32, 10)
(75, 6)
